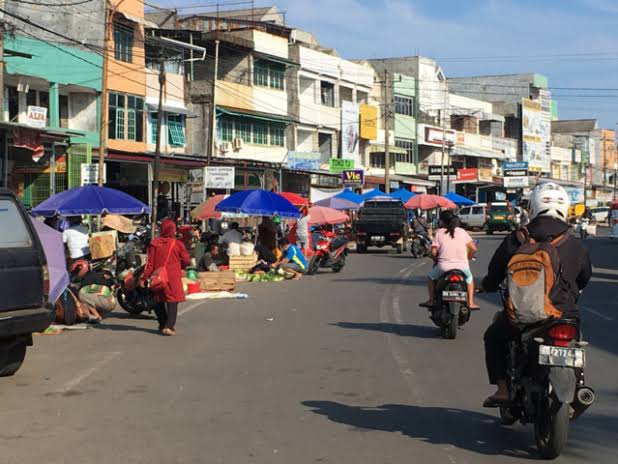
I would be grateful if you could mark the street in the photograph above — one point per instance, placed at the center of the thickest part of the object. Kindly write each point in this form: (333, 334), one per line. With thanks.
(337, 368)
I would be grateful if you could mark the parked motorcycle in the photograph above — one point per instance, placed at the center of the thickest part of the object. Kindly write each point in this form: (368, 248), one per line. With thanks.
(451, 309)
(420, 246)
(330, 251)
(546, 382)
(129, 269)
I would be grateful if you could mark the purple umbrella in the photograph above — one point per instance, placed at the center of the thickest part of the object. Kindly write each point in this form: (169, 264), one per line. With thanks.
(53, 247)
(339, 204)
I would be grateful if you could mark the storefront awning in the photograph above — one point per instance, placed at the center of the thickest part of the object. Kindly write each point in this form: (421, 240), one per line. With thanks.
(254, 115)
(138, 20)
(381, 148)
(276, 59)
(476, 153)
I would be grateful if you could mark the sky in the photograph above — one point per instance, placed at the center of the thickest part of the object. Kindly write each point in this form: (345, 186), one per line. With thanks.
(573, 42)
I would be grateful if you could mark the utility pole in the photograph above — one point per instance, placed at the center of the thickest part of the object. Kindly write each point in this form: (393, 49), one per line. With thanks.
(157, 160)
(615, 175)
(213, 121)
(2, 29)
(387, 127)
(443, 143)
(109, 14)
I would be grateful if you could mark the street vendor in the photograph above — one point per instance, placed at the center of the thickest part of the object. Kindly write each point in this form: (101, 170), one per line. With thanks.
(302, 229)
(267, 233)
(212, 259)
(266, 258)
(293, 259)
(97, 291)
(76, 238)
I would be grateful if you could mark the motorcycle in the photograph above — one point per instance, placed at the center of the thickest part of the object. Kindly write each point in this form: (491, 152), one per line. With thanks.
(451, 309)
(330, 251)
(581, 229)
(546, 381)
(133, 298)
(420, 246)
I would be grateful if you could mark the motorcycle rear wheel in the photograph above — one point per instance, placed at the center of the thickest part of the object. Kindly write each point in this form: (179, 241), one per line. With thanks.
(338, 266)
(551, 427)
(314, 265)
(450, 331)
(127, 305)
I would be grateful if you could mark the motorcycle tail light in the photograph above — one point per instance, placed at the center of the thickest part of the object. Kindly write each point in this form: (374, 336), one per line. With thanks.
(455, 278)
(562, 334)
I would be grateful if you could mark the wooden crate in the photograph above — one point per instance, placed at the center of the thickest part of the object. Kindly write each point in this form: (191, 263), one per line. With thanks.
(217, 281)
(242, 263)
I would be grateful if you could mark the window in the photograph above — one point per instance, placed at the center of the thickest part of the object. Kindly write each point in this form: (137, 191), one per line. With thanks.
(225, 129)
(267, 74)
(260, 134)
(15, 234)
(327, 93)
(378, 160)
(408, 145)
(64, 111)
(123, 42)
(176, 130)
(478, 210)
(325, 144)
(31, 99)
(135, 114)
(13, 102)
(116, 116)
(404, 105)
(126, 117)
(243, 131)
(154, 117)
(464, 211)
(277, 135)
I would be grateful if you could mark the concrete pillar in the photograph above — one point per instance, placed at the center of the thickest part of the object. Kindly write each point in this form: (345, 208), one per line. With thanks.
(54, 104)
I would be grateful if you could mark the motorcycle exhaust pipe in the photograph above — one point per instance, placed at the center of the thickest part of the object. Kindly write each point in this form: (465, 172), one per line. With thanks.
(584, 397)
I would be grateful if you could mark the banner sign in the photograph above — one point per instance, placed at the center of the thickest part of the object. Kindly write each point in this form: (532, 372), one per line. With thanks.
(516, 182)
(435, 172)
(353, 178)
(90, 173)
(349, 130)
(467, 175)
(576, 194)
(303, 161)
(368, 122)
(220, 177)
(536, 134)
(36, 116)
(338, 165)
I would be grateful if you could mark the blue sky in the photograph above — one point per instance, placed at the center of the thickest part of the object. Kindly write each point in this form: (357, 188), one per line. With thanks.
(573, 42)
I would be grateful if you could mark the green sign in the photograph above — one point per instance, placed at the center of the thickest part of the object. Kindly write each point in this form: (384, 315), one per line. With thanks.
(340, 165)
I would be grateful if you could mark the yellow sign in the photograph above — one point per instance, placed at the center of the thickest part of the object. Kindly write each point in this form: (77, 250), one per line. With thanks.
(172, 175)
(368, 122)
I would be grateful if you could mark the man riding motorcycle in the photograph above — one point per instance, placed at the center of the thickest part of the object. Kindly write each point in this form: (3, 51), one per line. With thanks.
(549, 207)
(421, 228)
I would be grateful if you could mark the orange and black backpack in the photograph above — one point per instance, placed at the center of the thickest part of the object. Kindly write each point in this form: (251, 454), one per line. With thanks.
(532, 274)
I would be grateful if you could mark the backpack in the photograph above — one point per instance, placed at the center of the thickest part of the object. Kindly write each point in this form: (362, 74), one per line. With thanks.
(532, 274)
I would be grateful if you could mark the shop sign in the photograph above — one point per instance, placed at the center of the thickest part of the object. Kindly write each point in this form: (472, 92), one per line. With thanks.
(467, 175)
(353, 178)
(436, 172)
(434, 136)
(485, 174)
(173, 175)
(303, 161)
(368, 122)
(220, 177)
(536, 134)
(338, 165)
(405, 169)
(516, 182)
(419, 189)
(90, 173)
(36, 116)
(394, 184)
(576, 194)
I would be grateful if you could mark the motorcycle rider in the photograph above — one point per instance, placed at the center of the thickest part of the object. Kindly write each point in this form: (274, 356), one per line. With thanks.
(421, 228)
(549, 208)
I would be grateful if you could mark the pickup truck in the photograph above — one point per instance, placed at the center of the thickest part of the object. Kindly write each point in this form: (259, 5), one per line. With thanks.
(24, 308)
(381, 222)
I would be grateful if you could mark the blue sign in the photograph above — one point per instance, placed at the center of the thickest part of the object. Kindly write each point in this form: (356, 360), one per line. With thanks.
(303, 161)
(514, 165)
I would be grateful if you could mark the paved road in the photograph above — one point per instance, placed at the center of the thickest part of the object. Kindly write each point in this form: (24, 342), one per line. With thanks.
(337, 368)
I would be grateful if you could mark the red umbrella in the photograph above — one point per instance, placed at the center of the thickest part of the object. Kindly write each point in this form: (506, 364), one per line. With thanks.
(324, 215)
(295, 199)
(425, 201)
(206, 210)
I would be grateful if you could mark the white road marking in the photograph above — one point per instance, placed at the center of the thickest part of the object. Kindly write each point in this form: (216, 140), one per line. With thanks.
(75, 381)
(191, 307)
(588, 309)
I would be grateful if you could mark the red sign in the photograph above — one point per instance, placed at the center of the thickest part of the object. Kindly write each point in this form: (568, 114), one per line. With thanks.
(467, 174)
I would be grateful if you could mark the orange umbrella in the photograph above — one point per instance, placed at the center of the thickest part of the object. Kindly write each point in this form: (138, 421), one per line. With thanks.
(425, 201)
(206, 210)
(325, 215)
(295, 199)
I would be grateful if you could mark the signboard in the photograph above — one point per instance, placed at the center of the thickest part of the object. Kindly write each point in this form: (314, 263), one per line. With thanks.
(576, 194)
(220, 177)
(433, 136)
(368, 122)
(339, 165)
(90, 173)
(303, 161)
(36, 116)
(515, 174)
(515, 165)
(349, 130)
(516, 182)
(435, 172)
(405, 169)
(467, 175)
(353, 178)
(536, 135)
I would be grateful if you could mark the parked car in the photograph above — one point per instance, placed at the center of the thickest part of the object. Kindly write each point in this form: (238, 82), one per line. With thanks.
(473, 217)
(381, 222)
(599, 214)
(500, 217)
(24, 308)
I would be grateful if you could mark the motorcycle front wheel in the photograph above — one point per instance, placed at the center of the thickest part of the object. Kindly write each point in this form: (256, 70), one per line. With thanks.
(551, 427)
(126, 304)
(338, 266)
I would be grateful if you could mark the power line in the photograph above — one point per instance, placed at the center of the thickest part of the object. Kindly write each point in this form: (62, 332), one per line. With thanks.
(79, 2)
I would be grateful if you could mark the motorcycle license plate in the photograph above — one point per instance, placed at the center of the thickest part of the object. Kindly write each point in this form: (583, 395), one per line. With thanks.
(377, 238)
(452, 295)
(563, 357)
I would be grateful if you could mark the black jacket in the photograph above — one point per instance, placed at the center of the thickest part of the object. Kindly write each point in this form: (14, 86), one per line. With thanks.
(574, 260)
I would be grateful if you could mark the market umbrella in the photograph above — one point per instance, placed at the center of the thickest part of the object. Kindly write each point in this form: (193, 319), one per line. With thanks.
(324, 215)
(258, 203)
(349, 195)
(295, 199)
(119, 223)
(53, 247)
(338, 204)
(402, 194)
(206, 210)
(90, 199)
(376, 192)
(458, 199)
(425, 201)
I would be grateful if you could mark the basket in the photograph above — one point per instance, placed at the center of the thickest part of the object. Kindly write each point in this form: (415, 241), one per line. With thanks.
(242, 263)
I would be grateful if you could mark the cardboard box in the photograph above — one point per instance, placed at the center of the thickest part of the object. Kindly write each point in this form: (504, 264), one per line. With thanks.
(242, 263)
(217, 281)
(103, 244)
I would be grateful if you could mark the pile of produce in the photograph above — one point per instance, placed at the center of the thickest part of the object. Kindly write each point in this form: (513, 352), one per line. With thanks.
(260, 276)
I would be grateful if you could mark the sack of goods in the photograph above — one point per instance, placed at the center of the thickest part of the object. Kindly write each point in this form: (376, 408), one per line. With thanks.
(246, 248)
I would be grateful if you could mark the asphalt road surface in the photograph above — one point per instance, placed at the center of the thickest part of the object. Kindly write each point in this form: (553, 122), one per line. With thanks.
(336, 368)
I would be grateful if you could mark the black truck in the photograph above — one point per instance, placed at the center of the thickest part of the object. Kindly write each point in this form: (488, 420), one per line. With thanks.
(24, 308)
(381, 222)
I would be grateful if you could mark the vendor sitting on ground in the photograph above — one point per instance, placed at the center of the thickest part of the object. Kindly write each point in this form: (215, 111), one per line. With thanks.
(212, 259)
(293, 259)
(97, 291)
(266, 258)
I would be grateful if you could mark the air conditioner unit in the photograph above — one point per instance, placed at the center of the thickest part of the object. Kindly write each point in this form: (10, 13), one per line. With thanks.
(238, 144)
(224, 147)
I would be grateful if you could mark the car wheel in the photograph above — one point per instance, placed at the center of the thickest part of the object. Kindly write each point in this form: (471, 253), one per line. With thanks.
(11, 359)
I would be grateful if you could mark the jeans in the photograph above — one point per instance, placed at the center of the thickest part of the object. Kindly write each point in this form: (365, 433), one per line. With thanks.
(497, 337)
(166, 315)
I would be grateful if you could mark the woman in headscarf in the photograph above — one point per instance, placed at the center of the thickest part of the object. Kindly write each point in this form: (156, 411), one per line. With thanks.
(166, 251)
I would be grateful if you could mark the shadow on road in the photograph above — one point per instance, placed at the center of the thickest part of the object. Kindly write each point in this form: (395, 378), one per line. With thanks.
(403, 330)
(467, 430)
(125, 328)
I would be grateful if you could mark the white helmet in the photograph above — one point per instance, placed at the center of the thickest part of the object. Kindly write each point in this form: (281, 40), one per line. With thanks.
(549, 199)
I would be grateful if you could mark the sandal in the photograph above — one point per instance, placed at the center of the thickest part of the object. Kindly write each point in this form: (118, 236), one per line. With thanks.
(493, 402)
(474, 307)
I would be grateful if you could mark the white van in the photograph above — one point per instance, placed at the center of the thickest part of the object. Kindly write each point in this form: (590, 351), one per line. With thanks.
(473, 217)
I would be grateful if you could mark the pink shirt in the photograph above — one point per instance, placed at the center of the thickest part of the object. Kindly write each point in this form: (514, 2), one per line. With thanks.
(452, 251)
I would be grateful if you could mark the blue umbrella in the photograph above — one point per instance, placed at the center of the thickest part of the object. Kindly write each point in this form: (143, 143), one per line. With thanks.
(258, 203)
(340, 204)
(90, 199)
(349, 195)
(376, 192)
(458, 199)
(402, 194)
